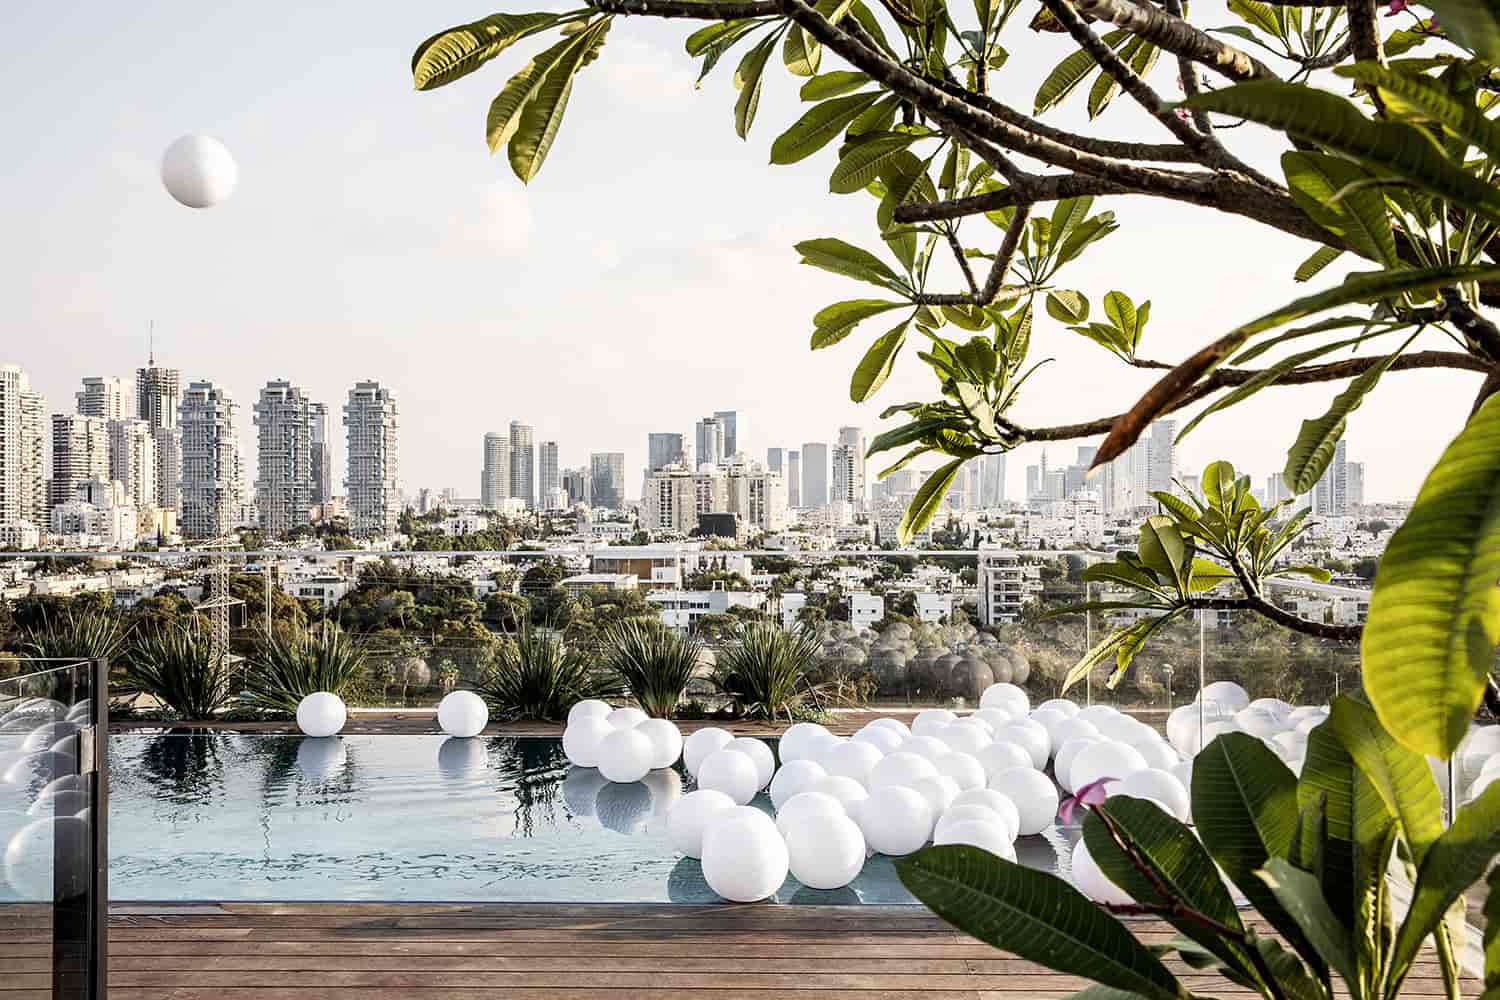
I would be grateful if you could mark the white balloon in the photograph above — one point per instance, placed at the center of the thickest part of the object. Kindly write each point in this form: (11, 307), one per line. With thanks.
(1160, 786)
(966, 737)
(964, 769)
(970, 813)
(759, 752)
(894, 725)
(1261, 723)
(625, 755)
(992, 837)
(992, 800)
(793, 777)
(825, 851)
(984, 726)
(666, 741)
(1118, 727)
(1274, 706)
(700, 744)
(691, 816)
(793, 742)
(1034, 795)
(743, 860)
(1002, 755)
(626, 718)
(1007, 696)
(730, 772)
(900, 768)
(1157, 754)
(882, 738)
(1091, 881)
(1095, 714)
(1225, 693)
(926, 746)
(1066, 706)
(854, 759)
(321, 713)
(1062, 764)
(1071, 729)
(581, 739)
(1048, 718)
(1105, 759)
(589, 707)
(1182, 724)
(993, 717)
(929, 721)
(463, 714)
(1029, 736)
(849, 792)
(198, 171)
(939, 791)
(895, 820)
(817, 745)
(805, 804)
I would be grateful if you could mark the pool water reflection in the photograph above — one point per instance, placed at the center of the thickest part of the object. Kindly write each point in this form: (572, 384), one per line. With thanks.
(237, 817)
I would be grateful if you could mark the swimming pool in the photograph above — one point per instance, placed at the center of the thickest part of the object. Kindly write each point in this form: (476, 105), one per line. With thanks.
(236, 817)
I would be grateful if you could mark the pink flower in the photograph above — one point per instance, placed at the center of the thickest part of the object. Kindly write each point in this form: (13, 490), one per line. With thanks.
(1396, 7)
(1088, 796)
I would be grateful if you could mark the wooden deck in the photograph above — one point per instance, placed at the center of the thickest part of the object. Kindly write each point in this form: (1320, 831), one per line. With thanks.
(541, 952)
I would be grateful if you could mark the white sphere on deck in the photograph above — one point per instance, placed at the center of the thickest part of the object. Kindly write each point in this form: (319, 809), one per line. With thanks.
(1117, 727)
(793, 742)
(993, 717)
(964, 769)
(992, 800)
(967, 737)
(929, 721)
(700, 744)
(759, 752)
(198, 171)
(854, 759)
(321, 713)
(1007, 696)
(991, 837)
(1034, 795)
(666, 742)
(1105, 759)
(1160, 786)
(691, 816)
(1048, 718)
(625, 756)
(901, 768)
(588, 707)
(732, 773)
(626, 718)
(1071, 729)
(582, 737)
(744, 860)
(805, 804)
(939, 790)
(825, 851)
(895, 820)
(463, 714)
(1095, 714)
(793, 777)
(849, 792)
(1091, 881)
(1157, 754)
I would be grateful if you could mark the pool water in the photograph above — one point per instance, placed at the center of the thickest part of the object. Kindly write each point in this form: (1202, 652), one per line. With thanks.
(239, 817)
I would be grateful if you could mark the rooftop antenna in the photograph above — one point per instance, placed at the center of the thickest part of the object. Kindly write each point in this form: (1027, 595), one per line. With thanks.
(151, 345)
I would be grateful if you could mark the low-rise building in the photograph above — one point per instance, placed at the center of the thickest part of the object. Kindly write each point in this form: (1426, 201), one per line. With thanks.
(865, 610)
(681, 609)
(933, 607)
(584, 582)
(1006, 583)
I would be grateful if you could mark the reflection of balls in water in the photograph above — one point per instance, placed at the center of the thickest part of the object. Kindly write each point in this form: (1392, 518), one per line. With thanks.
(460, 757)
(198, 171)
(321, 759)
(581, 788)
(31, 853)
(623, 807)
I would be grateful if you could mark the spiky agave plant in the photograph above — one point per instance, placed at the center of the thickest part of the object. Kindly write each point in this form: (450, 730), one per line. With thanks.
(762, 670)
(292, 664)
(654, 663)
(175, 664)
(537, 677)
(92, 633)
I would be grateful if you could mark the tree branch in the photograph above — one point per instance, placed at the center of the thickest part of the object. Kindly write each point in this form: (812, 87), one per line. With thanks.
(1173, 34)
(1003, 257)
(1282, 617)
(1330, 58)
(712, 10)
(1364, 32)
(1483, 334)
(1187, 74)
(963, 262)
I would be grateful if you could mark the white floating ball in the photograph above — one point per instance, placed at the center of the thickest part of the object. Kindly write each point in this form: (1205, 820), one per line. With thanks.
(700, 744)
(732, 773)
(817, 746)
(964, 769)
(1117, 727)
(198, 171)
(626, 718)
(1157, 754)
(625, 756)
(1274, 706)
(691, 816)
(882, 738)
(1062, 764)
(1007, 696)
(992, 800)
(1048, 719)
(1029, 737)
(849, 792)
(1066, 706)
(794, 741)
(321, 713)
(743, 860)
(1259, 722)
(1071, 729)
(825, 852)
(1034, 795)
(793, 777)
(895, 820)
(1095, 714)
(463, 714)
(28, 860)
(988, 728)
(967, 813)
(929, 721)
(666, 741)
(966, 738)
(1289, 743)
(853, 759)
(759, 752)
(1002, 755)
(926, 746)
(1225, 693)
(1309, 723)
(805, 804)
(992, 837)
(1105, 759)
(900, 768)
(1182, 724)
(589, 707)
(939, 791)
(1160, 786)
(1091, 881)
(894, 725)
(582, 737)
(993, 717)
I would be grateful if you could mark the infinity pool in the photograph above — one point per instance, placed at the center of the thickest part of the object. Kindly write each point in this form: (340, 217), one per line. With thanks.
(234, 817)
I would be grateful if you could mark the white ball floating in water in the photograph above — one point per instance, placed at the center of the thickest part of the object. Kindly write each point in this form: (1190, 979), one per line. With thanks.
(463, 714)
(730, 772)
(692, 815)
(1066, 706)
(744, 860)
(929, 721)
(760, 754)
(939, 790)
(850, 793)
(992, 837)
(581, 739)
(993, 717)
(588, 707)
(895, 820)
(700, 744)
(896, 726)
(1071, 729)
(321, 713)
(926, 746)
(1062, 764)
(964, 769)
(901, 768)
(198, 171)
(1034, 796)
(805, 804)
(1226, 693)
(1029, 736)
(797, 739)
(1105, 759)
(793, 777)
(1002, 755)
(854, 759)
(971, 812)
(825, 851)
(625, 755)
(967, 737)
(666, 742)
(1157, 754)
(882, 738)
(1160, 786)
(1007, 696)
(992, 800)
(1090, 880)
(626, 718)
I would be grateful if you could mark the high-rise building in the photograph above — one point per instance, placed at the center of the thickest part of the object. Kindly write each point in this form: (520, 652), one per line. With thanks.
(849, 468)
(578, 485)
(211, 472)
(794, 479)
(322, 452)
(522, 462)
(1354, 496)
(814, 474)
(494, 478)
(372, 420)
(547, 468)
(1331, 492)
(670, 500)
(664, 449)
(133, 462)
(158, 394)
(103, 397)
(992, 481)
(712, 442)
(607, 479)
(23, 434)
(1161, 457)
(757, 495)
(80, 454)
(730, 420)
(776, 459)
(284, 483)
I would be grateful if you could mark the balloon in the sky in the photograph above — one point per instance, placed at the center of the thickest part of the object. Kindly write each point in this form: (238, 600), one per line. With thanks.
(198, 171)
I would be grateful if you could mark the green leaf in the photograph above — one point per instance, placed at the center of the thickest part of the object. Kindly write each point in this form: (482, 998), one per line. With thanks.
(1492, 934)
(1461, 118)
(1121, 312)
(1359, 215)
(1093, 230)
(1434, 615)
(1321, 258)
(543, 114)
(928, 498)
(1036, 916)
(863, 159)
(510, 104)
(800, 52)
(1258, 15)
(1318, 573)
(714, 41)
(1163, 549)
(747, 79)
(1398, 775)
(1069, 73)
(1067, 306)
(1318, 438)
(876, 365)
(818, 126)
(834, 84)
(833, 323)
(1320, 117)
(457, 52)
(906, 434)
(1301, 896)
(1106, 86)
(833, 254)
(1471, 23)
(1207, 575)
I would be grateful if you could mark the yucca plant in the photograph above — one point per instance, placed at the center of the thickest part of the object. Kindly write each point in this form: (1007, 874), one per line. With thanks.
(83, 635)
(293, 664)
(654, 663)
(175, 664)
(538, 677)
(762, 670)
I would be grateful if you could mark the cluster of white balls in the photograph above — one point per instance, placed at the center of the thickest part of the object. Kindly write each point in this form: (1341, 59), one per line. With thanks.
(40, 813)
(623, 743)
(1226, 707)
(462, 714)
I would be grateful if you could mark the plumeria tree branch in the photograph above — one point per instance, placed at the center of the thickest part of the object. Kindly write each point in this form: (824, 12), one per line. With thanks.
(992, 285)
(1169, 32)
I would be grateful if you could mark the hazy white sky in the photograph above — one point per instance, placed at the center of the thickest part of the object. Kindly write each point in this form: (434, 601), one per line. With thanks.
(645, 279)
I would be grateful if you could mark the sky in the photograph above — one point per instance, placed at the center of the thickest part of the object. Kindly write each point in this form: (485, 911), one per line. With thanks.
(645, 279)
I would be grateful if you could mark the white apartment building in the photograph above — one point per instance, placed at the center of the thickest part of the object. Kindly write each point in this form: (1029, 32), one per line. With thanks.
(849, 468)
(1006, 583)
(681, 609)
(23, 433)
(865, 610)
(932, 607)
(20, 535)
(372, 421)
(494, 475)
(133, 461)
(80, 453)
(106, 398)
(98, 516)
(211, 473)
(321, 466)
(284, 484)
